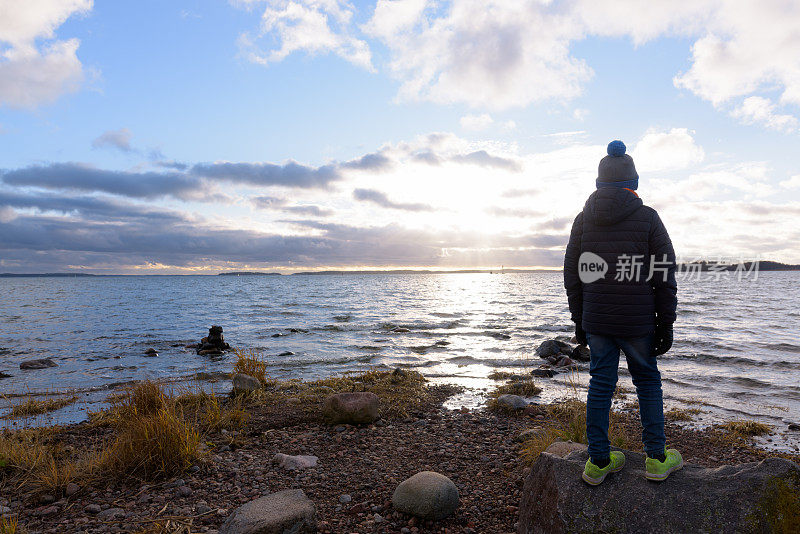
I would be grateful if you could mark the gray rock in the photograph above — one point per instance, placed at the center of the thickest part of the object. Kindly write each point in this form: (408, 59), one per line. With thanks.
(354, 408)
(794, 426)
(427, 495)
(151, 352)
(562, 449)
(345, 498)
(71, 489)
(288, 511)
(544, 373)
(295, 463)
(243, 383)
(529, 433)
(553, 347)
(515, 402)
(93, 509)
(111, 513)
(185, 491)
(694, 499)
(42, 363)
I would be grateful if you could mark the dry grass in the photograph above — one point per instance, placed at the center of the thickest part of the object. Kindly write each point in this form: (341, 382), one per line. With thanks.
(249, 362)
(209, 413)
(38, 461)
(10, 525)
(501, 375)
(746, 428)
(681, 414)
(30, 407)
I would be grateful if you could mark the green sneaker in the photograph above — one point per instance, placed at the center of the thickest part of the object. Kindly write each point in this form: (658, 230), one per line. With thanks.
(594, 475)
(659, 471)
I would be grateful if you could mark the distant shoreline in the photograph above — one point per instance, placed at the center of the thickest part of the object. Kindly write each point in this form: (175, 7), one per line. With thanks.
(763, 266)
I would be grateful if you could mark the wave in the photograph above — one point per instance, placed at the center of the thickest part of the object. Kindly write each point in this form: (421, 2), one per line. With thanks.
(496, 362)
(735, 360)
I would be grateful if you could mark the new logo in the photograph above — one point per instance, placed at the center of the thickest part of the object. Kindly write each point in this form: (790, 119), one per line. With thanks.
(591, 267)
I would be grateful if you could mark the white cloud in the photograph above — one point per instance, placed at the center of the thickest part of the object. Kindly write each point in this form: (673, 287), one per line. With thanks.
(672, 150)
(119, 139)
(759, 110)
(791, 183)
(580, 114)
(31, 74)
(310, 26)
(476, 122)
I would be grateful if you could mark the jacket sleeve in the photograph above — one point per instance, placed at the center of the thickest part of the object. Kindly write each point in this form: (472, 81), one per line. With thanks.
(663, 273)
(572, 281)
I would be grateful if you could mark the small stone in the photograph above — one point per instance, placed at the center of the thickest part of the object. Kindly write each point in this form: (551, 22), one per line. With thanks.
(151, 352)
(794, 426)
(345, 498)
(295, 463)
(354, 408)
(185, 491)
(202, 509)
(111, 513)
(47, 499)
(178, 482)
(93, 509)
(71, 489)
(378, 518)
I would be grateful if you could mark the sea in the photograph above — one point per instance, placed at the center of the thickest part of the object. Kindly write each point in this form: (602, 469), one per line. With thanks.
(736, 353)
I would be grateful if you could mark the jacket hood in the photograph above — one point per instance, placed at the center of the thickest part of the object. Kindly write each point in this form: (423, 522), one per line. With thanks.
(610, 205)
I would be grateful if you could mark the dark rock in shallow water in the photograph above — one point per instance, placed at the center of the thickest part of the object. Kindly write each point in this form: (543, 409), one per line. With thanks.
(695, 499)
(553, 347)
(543, 373)
(792, 426)
(499, 336)
(151, 352)
(5, 375)
(214, 343)
(43, 363)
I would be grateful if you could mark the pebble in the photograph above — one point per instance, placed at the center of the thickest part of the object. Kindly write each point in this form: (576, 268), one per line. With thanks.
(111, 513)
(345, 498)
(71, 489)
(184, 491)
(93, 509)
(47, 499)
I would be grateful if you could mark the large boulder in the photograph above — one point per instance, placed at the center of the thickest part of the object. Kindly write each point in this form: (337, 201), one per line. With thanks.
(277, 513)
(427, 495)
(43, 363)
(355, 408)
(512, 402)
(738, 498)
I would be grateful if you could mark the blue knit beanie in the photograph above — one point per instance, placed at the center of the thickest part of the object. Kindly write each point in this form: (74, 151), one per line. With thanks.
(617, 169)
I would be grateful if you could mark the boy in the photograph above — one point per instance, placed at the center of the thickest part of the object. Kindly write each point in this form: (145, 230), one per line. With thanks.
(619, 273)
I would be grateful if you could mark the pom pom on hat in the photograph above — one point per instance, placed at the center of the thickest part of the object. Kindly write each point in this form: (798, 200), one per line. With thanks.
(616, 148)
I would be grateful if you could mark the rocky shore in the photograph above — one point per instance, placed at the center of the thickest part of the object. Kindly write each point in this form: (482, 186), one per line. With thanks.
(279, 438)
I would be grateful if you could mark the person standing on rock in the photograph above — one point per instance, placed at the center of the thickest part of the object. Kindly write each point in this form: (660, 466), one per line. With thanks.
(619, 273)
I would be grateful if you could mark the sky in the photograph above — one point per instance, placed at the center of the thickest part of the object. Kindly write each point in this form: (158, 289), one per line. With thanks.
(156, 137)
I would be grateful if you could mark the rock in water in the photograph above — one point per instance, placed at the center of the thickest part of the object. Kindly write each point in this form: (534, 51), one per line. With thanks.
(214, 343)
(355, 408)
(515, 402)
(427, 495)
(695, 499)
(285, 511)
(243, 383)
(553, 347)
(43, 363)
(295, 463)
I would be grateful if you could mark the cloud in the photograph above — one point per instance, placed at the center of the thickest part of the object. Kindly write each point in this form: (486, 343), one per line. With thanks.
(484, 159)
(791, 183)
(281, 204)
(379, 198)
(309, 26)
(119, 139)
(291, 174)
(74, 176)
(759, 110)
(523, 213)
(369, 162)
(662, 151)
(31, 74)
(476, 122)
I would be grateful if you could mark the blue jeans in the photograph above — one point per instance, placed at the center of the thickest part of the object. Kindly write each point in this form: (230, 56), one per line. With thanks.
(644, 371)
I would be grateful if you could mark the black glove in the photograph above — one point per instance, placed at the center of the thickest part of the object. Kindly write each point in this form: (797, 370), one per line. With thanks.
(663, 339)
(580, 335)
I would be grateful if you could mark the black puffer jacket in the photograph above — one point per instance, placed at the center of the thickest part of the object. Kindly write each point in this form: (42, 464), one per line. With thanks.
(614, 223)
